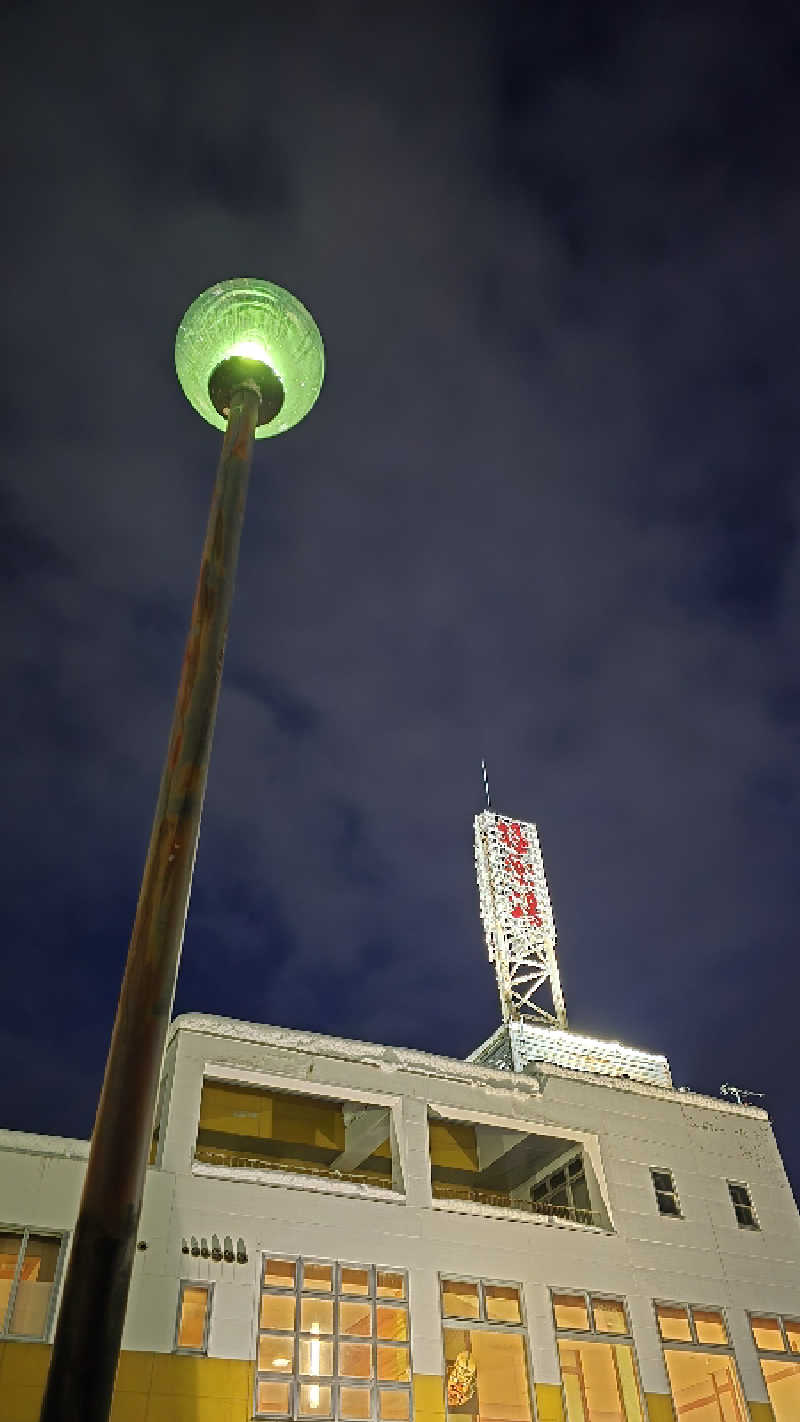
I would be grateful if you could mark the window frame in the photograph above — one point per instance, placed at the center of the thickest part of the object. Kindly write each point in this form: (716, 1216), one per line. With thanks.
(593, 1335)
(219, 1074)
(183, 1285)
(373, 1385)
(665, 1214)
(742, 1185)
(692, 1344)
(782, 1319)
(487, 1325)
(55, 1291)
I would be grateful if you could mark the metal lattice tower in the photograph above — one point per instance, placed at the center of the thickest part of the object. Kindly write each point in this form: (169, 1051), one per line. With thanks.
(518, 918)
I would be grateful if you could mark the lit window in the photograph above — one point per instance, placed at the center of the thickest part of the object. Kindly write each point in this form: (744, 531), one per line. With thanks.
(486, 1363)
(666, 1194)
(194, 1310)
(700, 1365)
(333, 1342)
(249, 1127)
(777, 1335)
(509, 1169)
(743, 1206)
(28, 1269)
(598, 1376)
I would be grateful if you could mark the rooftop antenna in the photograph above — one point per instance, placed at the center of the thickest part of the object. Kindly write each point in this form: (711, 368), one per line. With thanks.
(486, 785)
(517, 917)
(738, 1094)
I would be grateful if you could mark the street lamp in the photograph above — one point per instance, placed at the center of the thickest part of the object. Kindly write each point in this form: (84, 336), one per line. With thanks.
(250, 360)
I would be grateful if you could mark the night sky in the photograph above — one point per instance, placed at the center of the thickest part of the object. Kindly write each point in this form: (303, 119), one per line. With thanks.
(545, 510)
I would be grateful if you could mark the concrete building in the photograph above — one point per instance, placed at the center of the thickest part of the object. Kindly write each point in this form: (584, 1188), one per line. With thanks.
(332, 1229)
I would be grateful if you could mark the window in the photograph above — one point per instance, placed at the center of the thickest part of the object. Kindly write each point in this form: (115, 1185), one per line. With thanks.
(666, 1194)
(256, 1128)
(486, 1360)
(29, 1266)
(743, 1206)
(598, 1371)
(775, 1337)
(333, 1342)
(510, 1169)
(704, 1382)
(194, 1312)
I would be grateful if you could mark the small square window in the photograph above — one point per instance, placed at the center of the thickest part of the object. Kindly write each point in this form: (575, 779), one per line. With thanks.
(316, 1315)
(792, 1334)
(743, 1206)
(392, 1323)
(666, 1194)
(273, 1397)
(394, 1404)
(316, 1357)
(279, 1273)
(390, 1286)
(355, 1360)
(191, 1334)
(673, 1323)
(275, 1353)
(710, 1326)
(277, 1311)
(354, 1403)
(314, 1401)
(609, 1316)
(354, 1281)
(570, 1311)
(393, 1363)
(502, 1303)
(355, 1318)
(318, 1278)
(767, 1333)
(460, 1299)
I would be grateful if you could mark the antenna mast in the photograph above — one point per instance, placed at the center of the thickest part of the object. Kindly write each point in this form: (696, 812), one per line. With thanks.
(517, 917)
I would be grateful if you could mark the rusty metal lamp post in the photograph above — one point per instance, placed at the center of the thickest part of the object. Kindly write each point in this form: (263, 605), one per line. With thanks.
(250, 360)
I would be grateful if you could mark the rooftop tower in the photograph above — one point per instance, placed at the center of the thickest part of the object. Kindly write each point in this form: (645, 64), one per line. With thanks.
(520, 934)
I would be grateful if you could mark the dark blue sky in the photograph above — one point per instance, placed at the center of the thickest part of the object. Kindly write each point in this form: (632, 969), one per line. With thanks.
(545, 510)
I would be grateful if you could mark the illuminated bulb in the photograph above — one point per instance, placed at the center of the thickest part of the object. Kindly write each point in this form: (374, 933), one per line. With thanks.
(280, 1362)
(251, 350)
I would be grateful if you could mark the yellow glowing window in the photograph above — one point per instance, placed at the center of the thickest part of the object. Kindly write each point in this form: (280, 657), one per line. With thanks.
(783, 1388)
(279, 1273)
(599, 1381)
(705, 1386)
(709, 1326)
(502, 1303)
(767, 1333)
(486, 1372)
(355, 1403)
(792, 1327)
(571, 1311)
(28, 1267)
(609, 1315)
(193, 1315)
(673, 1323)
(460, 1299)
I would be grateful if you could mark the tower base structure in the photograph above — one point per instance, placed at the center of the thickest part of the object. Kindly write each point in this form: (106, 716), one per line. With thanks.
(522, 1046)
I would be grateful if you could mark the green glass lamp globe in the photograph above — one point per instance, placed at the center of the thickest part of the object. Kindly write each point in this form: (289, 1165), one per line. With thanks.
(247, 329)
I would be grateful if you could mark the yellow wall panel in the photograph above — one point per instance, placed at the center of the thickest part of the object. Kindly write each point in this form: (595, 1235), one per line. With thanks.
(20, 1404)
(659, 1407)
(761, 1412)
(129, 1407)
(549, 1402)
(162, 1408)
(24, 1365)
(175, 1375)
(135, 1372)
(428, 1397)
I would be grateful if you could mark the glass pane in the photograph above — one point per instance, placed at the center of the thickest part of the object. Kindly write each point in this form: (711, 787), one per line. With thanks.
(314, 1401)
(487, 1375)
(783, 1387)
(599, 1382)
(273, 1397)
(392, 1323)
(9, 1253)
(709, 1326)
(278, 1311)
(391, 1286)
(355, 1281)
(705, 1386)
(663, 1181)
(316, 1357)
(460, 1299)
(667, 1204)
(739, 1194)
(394, 1405)
(745, 1217)
(356, 1318)
(275, 1353)
(192, 1321)
(393, 1364)
(673, 1322)
(792, 1334)
(355, 1360)
(354, 1402)
(316, 1315)
(35, 1286)
(318, 1278)
(609, 1316)
(279, 1273)
(502, 1303)
(570, 1311)
(767, 1334)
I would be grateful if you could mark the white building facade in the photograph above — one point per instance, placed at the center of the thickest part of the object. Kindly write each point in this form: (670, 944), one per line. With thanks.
(350, 1232)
